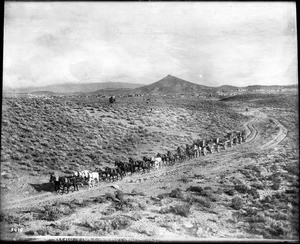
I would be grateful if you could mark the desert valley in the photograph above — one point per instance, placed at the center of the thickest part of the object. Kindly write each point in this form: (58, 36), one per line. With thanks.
(247, 190)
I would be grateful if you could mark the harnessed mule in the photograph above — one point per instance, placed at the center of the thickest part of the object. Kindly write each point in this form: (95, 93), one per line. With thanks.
(54, 178)
(111, 173)
(170, 157)
(164, 158)
(93, 176)
(102, 174)
(180, 153)
(189, 151)
(122, 167)
(146, 166)
(63, 183)
(136, 164)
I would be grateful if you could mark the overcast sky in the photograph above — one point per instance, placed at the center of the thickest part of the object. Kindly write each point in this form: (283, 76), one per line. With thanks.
(208, 43)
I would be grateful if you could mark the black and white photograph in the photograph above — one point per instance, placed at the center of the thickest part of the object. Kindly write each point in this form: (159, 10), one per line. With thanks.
(150, 121)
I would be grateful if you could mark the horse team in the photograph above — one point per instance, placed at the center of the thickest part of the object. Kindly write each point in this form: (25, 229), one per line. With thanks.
(62, 184)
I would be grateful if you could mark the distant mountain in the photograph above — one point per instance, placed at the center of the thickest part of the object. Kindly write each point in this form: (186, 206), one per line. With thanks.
(75, 87)
(172, 85)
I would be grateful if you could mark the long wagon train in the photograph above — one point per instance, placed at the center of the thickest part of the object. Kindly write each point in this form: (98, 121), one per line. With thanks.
(120, 169)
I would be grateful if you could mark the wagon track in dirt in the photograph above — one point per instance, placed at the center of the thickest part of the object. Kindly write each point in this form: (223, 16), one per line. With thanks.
(252, 136)
(280, 137)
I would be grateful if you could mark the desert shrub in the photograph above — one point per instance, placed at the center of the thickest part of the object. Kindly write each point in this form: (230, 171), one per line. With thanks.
(291, 191)
(12, 218)
(241, 188)
(293, 182)
(177, 193)
(197, 189)
(29, 233)
(50, 213)
(237, 203)
(78, 203)
(255, 168)
(109, 211)
(119, 223)
(142, 206)
(280, 216)
(206, 191)
(62, 226)
(145, 230)
(184, 179)
(292, 168)
(212, 197)
(104, 226)
(163, 195)
(275, 178)
(251, 211)
(100, 199)
(274, 168)
(53, 212)
(259, 228)
(109, 196)
(258, 185)
(125, 205)
(267, 199)
(202, 201)
(34, 173)
(276, 229)
(275, 186)
(16, 156)
(246, 173)
(8, 175)
(2, 217)
(179, 209)
(254, 193)
(229, 191)
(183, 209)
(119, 195)
(257, 218)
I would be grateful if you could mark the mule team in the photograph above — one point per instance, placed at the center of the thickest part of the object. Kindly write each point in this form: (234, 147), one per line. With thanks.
(121, 169)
